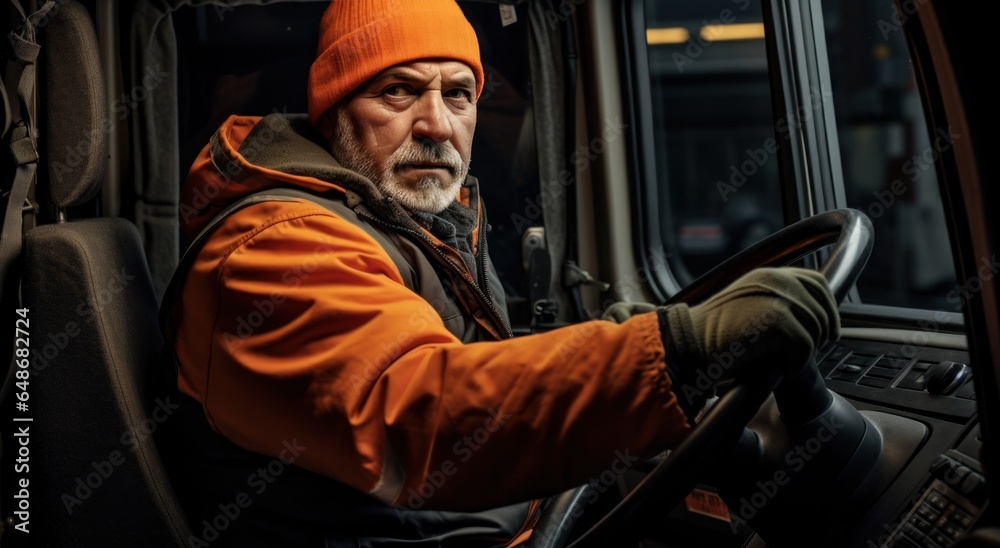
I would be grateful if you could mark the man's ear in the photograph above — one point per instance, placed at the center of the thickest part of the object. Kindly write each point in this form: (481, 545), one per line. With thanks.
(327, 123)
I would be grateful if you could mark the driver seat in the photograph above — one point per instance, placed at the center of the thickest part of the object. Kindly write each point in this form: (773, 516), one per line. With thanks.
(98, 400)
(95, 399)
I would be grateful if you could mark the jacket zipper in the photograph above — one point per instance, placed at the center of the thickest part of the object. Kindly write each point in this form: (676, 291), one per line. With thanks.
(487, 300)
(484, 272)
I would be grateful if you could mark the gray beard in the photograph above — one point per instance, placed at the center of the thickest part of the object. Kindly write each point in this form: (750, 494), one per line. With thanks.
(431, 194)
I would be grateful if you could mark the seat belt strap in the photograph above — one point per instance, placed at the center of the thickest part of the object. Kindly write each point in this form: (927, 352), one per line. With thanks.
(24, 50)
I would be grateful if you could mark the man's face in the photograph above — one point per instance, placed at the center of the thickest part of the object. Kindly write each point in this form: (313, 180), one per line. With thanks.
(410, 130)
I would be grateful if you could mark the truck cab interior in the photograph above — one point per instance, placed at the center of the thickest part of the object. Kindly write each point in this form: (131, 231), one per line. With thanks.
(628, 150)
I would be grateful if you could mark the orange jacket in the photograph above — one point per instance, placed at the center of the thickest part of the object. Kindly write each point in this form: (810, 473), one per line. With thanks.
(295, 324)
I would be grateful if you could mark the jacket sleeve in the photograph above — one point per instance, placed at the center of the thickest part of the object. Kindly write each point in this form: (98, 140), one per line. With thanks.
(316, 344)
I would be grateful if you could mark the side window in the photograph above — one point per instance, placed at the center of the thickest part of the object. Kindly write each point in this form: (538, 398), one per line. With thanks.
(716, 185)
(888, 157)
(254, 60)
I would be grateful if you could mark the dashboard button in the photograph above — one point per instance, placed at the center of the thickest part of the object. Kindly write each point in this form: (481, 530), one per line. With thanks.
(882, 373)
(920, 524)
(846, 377)
(874, 381)
(936, 500)
(961, 518)
(838, 353)
(939, 538)
(901, 541)
(950, 531)
(927, 512)
(848, 368)
(861, 359)
(914, 534)
(892, 363)
(914, 380)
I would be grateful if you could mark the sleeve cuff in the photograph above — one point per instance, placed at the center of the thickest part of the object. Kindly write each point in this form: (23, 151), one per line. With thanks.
(682, 357)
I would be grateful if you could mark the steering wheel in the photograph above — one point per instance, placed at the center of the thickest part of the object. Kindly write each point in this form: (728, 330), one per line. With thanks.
(801, 398)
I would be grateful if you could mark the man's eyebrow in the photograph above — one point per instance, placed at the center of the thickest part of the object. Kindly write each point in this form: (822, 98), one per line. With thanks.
(399, 75)
(463, 80)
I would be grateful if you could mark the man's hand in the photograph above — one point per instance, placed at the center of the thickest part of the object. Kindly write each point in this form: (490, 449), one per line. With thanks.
(774, 313)
(779, 314)
(621, 311)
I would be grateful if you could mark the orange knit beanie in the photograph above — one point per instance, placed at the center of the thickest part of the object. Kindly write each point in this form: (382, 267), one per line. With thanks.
(361, 38)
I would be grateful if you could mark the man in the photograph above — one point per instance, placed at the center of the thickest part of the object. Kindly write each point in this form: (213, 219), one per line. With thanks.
(344, 348)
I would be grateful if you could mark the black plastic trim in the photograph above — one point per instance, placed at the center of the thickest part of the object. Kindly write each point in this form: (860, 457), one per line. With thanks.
(892, 317)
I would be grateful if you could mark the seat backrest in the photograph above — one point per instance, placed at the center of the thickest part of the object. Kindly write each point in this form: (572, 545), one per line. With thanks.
(95, 391)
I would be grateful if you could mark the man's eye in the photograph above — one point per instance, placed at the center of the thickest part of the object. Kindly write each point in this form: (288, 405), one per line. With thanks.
(395, 91)
(459, 93)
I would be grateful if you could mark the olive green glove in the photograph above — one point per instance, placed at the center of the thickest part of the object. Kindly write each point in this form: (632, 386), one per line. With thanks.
(769, 313)
(621, 311)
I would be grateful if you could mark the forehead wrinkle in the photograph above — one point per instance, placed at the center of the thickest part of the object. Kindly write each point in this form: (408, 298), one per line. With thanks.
(399, 74)
(459, 75)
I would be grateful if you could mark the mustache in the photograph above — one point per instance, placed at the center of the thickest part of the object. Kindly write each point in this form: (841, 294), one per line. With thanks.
(427, 152)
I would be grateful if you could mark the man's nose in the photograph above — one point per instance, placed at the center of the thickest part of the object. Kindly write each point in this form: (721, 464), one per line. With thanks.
(433, 121)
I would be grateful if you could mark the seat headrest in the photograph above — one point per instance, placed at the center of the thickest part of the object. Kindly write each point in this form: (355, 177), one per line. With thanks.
(77, 123)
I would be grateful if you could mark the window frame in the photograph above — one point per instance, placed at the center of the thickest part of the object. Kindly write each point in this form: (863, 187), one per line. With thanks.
(811, 152)
(637, 97)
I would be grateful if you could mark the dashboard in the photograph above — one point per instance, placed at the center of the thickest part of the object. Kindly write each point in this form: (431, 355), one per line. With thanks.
(941, 490)
(927, 488)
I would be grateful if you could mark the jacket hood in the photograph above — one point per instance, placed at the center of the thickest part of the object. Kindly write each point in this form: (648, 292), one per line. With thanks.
(248, 154)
